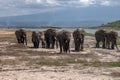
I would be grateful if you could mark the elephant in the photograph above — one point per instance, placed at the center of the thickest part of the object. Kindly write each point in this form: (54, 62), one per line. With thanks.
(78, 36)
(21, 36)
(111, 39)
(35, 39)
(50, 38)
(63, 37)
(100, 36)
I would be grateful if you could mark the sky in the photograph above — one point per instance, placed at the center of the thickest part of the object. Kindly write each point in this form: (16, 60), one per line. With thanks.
(56, 12)
(26, 7)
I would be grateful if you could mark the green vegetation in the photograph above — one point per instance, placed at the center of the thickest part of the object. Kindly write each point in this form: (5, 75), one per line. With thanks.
(81, 62)
(118, 41)
(89, 34)
(111, 25)
(53, 63)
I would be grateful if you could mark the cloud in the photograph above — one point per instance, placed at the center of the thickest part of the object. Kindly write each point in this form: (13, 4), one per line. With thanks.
(24, 7)
(106, 3)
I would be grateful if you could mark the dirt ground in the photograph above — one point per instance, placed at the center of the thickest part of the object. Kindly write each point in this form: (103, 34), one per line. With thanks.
(21, 62)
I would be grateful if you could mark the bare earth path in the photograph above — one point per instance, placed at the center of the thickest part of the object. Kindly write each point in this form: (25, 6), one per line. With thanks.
(18, 62)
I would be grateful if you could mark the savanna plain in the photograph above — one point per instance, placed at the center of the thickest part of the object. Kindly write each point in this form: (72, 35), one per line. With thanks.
(21, 62)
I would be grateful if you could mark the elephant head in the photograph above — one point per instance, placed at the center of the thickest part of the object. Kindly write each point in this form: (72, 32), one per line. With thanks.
(21, 36)
(78, 36)
(100, 36)
(63, 37)
(50, 38)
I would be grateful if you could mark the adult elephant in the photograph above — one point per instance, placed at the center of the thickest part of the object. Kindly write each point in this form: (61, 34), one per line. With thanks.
(111, 39)
(50, 38)
(63, 37)
(21, 36)
(35, 39)
(100, 36)
(78, 36)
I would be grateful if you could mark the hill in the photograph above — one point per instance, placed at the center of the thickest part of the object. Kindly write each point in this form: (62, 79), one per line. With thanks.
(111, 25)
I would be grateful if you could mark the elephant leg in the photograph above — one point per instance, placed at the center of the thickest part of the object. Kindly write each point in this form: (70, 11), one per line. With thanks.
(60, 47)
(53, 43)
(76, 46)
(97, 44)
(38, 44)
(112, 45)
(48, 44)
(22, 40)
(18, 40)
(43, 44)
(103, 46)
(81, 47)
(68, 46)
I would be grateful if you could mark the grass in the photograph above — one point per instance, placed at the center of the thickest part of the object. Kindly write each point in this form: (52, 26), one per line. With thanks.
(118, 41)
(83, 63)
(102, 64)
(53, 63)
(89, 34)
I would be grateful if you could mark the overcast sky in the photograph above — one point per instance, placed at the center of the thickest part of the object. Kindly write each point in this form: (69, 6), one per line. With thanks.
(26, 7)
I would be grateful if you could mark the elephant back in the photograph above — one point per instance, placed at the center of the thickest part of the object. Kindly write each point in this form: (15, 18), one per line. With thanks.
(110, 35)
(20, 33)
(100, 34)
(63, 35)
(50, 32)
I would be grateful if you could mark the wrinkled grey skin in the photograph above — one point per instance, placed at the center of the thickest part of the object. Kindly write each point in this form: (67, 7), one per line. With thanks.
(21, 36)
(111, 39)
(50, 38)
(100, 36)
(42, 39)
(35, 39)
(63, 37)
(78, 36)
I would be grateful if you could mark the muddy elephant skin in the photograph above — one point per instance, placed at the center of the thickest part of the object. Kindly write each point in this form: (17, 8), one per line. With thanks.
(111, 39)
(78, 36)
(21, 36)
(35, 39)
(50, 38)
(100, 36)
(63, 37)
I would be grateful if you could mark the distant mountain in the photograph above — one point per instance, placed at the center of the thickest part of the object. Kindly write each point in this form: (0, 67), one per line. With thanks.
(47, 20)
(83, 17)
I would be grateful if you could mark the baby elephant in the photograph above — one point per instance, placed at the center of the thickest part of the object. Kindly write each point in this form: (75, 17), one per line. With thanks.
(35, 39)
(78, 36)
(21, 36)
(63, 37)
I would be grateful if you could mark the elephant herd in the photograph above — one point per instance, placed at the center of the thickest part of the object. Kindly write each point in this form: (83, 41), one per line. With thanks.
(51, 38)
(108, 39)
